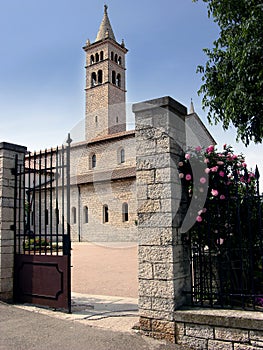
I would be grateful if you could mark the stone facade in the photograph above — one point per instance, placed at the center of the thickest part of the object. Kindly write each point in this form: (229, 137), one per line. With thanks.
(206, 329)
(163, 268)
(105, 83)
(8, 153)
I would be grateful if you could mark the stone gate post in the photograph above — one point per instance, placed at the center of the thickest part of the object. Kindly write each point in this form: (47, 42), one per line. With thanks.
(7, 162)
(163, 262)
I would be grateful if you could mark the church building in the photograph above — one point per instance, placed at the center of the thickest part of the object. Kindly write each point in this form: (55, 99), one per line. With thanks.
(103, 176)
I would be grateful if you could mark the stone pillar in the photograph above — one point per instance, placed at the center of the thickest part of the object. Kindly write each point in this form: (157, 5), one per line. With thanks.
(7, 163)
(163, 264)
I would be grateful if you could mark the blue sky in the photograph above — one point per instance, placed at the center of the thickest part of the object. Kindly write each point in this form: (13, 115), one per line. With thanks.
(42, 75)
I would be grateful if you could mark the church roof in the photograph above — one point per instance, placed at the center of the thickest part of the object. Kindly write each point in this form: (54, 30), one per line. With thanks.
(101, 176)
(105, 30)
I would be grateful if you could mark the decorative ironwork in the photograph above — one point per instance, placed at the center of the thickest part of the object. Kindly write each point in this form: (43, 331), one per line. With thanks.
(42, 228)
(227, 255)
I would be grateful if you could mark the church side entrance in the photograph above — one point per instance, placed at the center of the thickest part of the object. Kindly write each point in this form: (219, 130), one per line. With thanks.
(42, 251)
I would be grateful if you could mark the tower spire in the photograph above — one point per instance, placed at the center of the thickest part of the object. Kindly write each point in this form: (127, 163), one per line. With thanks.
(105, 30)
(192, 109)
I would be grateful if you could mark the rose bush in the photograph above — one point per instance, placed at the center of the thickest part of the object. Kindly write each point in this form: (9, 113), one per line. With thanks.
(227, 224)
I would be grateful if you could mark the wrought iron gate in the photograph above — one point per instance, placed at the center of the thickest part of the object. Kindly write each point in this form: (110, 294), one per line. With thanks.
(42, 229)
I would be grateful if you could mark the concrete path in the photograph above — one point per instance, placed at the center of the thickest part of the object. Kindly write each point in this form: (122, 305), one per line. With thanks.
(113, 313)
(21, 329)
(105, 269)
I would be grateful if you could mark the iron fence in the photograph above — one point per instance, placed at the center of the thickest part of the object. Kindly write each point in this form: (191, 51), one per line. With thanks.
(227, 252)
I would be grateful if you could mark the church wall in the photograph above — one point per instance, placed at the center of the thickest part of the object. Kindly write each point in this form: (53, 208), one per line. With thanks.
(95, 196)
(107, 155)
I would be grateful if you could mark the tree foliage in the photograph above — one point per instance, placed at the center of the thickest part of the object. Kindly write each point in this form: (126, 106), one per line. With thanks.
(233, 75)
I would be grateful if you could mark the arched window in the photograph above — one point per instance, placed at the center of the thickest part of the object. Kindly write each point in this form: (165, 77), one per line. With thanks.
(125, 212)
(74, 215)
(116, 58)
(97, 57)
(105, 213)
(93, 161)
(86, 214)
(100, 76)
(118, 80)
(119, 60)
(112, 55)
(92, 59)
(122, 156)
(93, 79)
(114, 77)
(101, 56)
(117, 120)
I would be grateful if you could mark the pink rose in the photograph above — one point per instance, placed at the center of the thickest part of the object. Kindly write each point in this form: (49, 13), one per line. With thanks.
(220, 162)
(214, 169)
(222, 197)
(204, 210)
(199, 218)
(207, 170)
(206, 160)
(210, 149)
(203, 180)
(188, 177)
(198, 148)
(221, 173)
(244, 165)
(220, 241)
(214, 192)
(187, 156)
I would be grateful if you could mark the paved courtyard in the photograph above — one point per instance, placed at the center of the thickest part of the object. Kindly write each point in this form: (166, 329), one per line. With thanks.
(105, 269)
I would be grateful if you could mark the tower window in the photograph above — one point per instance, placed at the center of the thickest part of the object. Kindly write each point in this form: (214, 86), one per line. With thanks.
(114, 77)
(119, 60)
(86, 214)
(93, 79)
(105, 213)
(125, 212)
(94, 161)
(97, 57)
(112, 55)
(118, 80)
(92, 59)
(116, 58)
(122, 156)
(74, 215)
(100, 76)
(101, 55)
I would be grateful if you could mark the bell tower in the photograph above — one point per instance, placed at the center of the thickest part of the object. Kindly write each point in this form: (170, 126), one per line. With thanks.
(105, 83)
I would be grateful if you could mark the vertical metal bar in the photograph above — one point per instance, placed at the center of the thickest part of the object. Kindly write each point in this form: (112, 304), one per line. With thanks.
(50, 201)
(15, 205)
(34, 203)
(45, 197)
(40, 202)
(63, 190)
(68, 223)
(27, 208)
(19, 198)
(56, 193)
